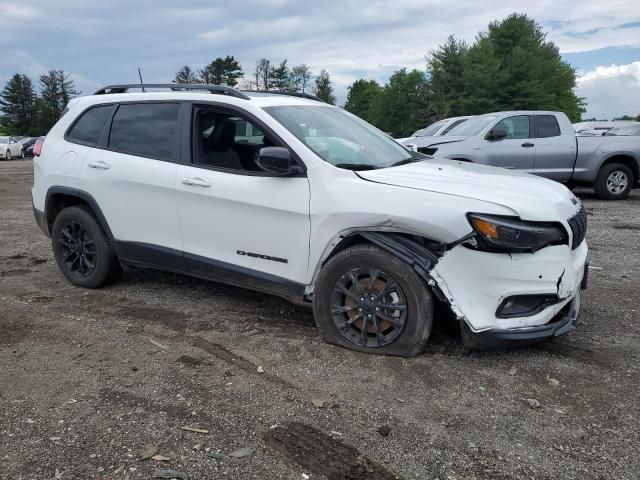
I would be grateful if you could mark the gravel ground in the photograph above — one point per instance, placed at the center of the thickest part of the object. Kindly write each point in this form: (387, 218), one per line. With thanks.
(91, 381)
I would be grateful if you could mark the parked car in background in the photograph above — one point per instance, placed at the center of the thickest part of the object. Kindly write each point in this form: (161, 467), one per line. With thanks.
(626, 131)
(27, 144)
(10, 148)
(436, 129)
(545, 144)
(323, 209)
(589, 128)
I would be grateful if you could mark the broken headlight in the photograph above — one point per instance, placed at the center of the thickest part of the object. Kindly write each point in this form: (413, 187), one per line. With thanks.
(496, 233)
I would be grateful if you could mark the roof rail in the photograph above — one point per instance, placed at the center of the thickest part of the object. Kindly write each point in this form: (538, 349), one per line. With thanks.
(216, 89)
(291, 94)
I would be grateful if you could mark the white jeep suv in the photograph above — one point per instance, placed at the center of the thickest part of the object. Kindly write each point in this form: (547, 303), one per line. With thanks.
(301, 199)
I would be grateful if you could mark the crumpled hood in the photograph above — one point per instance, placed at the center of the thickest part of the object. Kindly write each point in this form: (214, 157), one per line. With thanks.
(529, 196)
(420, 142)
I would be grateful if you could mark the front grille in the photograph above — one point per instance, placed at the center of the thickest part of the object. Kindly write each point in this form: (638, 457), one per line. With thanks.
(578, 224)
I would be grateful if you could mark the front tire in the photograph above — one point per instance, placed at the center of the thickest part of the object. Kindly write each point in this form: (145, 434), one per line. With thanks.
(7, 155)
(370, 301)
(22, 154)
(82, 250)
(614, 182)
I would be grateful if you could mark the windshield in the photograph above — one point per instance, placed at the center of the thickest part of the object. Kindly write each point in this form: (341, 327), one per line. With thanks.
(341, 138)
(629, 130)
(473, 126)
(430, 130)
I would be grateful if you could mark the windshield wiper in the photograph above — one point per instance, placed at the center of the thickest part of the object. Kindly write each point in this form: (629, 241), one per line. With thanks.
(405, 161)
(355, 166)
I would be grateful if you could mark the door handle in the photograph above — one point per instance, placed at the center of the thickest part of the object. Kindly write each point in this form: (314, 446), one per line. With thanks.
(99, 164)
(196, 181)
(528, 145)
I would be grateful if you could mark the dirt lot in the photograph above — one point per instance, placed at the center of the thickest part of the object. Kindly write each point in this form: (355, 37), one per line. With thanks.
(88, 378)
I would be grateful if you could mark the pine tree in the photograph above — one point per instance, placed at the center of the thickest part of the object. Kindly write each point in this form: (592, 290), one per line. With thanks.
(445, 67)
(186, 75)
(222, 71)
(56, 89)
(323, 88)
(18, 104)
(281, 77)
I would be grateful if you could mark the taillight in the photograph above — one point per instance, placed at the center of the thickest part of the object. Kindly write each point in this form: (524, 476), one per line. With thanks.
(37, 147)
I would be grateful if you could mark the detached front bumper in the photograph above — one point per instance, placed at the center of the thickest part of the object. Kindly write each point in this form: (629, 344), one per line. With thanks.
(477, 283)
(561, 324)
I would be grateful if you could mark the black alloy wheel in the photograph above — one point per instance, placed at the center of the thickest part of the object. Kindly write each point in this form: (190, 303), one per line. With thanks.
(78, 248)
(369, 308)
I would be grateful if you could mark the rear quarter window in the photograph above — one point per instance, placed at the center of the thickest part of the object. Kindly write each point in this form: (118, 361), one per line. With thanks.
(87, 128)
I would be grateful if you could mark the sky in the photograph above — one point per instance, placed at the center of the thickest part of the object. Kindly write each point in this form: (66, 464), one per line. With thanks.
(104, 42)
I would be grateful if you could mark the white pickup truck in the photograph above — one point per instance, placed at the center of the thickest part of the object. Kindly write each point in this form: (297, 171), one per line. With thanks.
(545, 144)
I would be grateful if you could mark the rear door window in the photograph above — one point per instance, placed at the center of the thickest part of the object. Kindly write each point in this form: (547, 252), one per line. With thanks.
(145, 129)
(547, 126)
(86, 130)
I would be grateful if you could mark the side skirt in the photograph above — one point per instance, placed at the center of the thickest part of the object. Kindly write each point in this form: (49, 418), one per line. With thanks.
(144, 255)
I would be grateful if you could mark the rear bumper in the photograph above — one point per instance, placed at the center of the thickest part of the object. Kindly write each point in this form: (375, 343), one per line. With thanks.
(493, 339)
(41, 220)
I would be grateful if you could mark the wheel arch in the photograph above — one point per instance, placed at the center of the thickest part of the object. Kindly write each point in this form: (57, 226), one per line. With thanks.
(419, 251)
(59, 198)
(628, 161)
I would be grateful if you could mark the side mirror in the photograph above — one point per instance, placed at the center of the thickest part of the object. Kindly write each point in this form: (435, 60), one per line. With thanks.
(278, 160)
(497, 133)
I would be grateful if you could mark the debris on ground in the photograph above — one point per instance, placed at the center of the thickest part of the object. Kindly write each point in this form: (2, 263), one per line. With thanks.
(318, 403)
(160, 458)
(553, 381)
(513, 371)
(195, 429)
(157, 344)
(147, 452)
(260, 369)
(216, 455)
(532, 402)
(384, 430)
(170, 474)
(243, 452)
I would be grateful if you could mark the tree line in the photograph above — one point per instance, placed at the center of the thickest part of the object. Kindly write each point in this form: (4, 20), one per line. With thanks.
(267, 76)
(511, 66)
(28, 110)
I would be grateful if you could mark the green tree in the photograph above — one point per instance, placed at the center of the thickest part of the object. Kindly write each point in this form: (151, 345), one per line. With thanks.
(360, 97)
(281, 77)
(300, 78)
(323, 88)
(56, 89)
(18, 104)
(222, 71)
(513, 67)
(445, 67)
(186, 75)
(400, 108)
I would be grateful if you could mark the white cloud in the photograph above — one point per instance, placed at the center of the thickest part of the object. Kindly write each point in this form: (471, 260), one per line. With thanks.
(611, 91)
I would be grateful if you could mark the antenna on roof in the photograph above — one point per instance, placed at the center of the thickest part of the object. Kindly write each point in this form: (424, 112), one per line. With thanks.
(140, 75)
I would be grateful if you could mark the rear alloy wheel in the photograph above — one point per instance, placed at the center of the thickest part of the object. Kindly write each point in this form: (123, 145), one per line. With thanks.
(614, 182)
(367, 300)
(82, 250)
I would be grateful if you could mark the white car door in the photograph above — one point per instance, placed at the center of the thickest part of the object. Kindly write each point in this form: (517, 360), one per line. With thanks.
(131, 177)
(235, 218)
(15, 147)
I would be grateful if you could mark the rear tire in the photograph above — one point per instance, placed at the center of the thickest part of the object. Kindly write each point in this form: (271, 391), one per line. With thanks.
(370, 301)
(82, 250)
(614, 182)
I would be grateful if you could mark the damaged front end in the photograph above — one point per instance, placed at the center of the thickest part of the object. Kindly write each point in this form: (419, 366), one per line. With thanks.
(510, 283)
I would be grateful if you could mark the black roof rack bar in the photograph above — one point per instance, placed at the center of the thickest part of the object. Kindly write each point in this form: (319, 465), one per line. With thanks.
(217, 89)
(291, 94)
